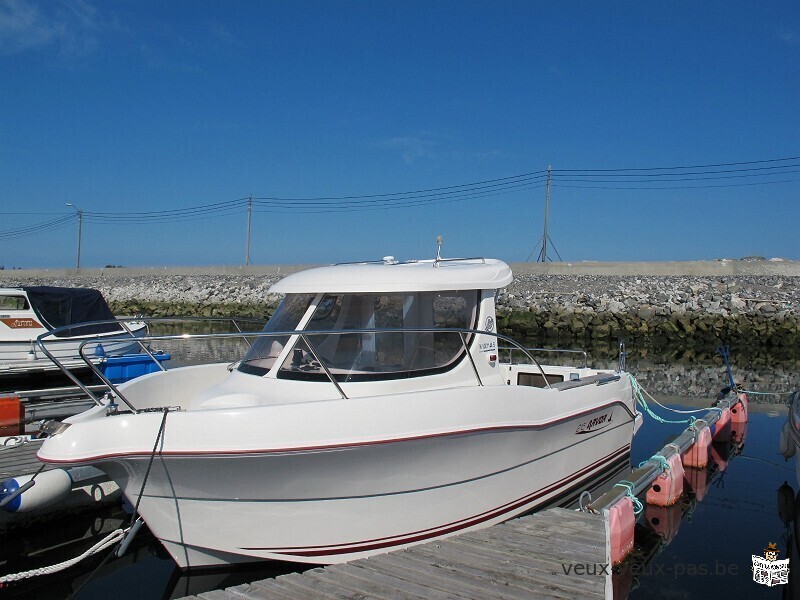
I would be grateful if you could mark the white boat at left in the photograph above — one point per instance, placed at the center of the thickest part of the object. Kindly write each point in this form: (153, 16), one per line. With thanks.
(28, 312)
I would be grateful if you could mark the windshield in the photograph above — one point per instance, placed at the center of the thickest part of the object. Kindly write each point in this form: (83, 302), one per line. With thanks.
(351, 354)
(261, 356)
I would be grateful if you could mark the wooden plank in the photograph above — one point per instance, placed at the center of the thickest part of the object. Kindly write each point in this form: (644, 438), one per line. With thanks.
(413, 579)
(588, 529)
(20, 460)
(214, 595)
(579, 538)
(367, 585)
(277, 588)
(461, 581)
(528, 577)
(530, 545)
(432, 583)
(544, 557)
(359, 569)
(255, 591)
(307, 586)
(498, 570)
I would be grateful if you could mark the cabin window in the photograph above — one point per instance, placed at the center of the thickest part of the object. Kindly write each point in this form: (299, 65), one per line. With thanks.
(14, 303)
(363, 337)
(266, 349)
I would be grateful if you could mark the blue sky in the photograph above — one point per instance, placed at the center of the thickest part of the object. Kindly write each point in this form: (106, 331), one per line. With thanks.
(126, 106)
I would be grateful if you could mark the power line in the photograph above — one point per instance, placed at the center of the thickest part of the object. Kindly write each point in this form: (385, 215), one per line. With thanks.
(653, 178)
(674, 187)
(730, 164)
(52, 225)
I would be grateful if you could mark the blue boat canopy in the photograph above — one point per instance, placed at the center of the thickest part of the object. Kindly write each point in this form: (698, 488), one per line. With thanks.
(59, 307)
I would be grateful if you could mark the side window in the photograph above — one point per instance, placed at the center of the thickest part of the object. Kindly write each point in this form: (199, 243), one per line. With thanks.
(13, 303)
(451, 311)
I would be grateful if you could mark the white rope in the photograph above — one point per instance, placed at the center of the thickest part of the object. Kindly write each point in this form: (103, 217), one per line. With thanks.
(111, 539)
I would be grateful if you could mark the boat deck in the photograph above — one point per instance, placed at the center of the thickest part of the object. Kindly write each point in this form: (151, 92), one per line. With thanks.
(530, 557)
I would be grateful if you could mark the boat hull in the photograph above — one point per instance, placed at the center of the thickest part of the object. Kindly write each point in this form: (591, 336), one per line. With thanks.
(338, 504)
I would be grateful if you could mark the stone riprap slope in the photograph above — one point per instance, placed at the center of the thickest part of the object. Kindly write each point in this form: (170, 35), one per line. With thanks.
(764, 309)
(718, 300)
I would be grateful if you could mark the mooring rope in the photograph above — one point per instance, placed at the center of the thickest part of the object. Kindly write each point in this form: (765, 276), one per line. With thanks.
(111, 539)
(662, 462)
(755, 393)
(639, 393)
(134, 515)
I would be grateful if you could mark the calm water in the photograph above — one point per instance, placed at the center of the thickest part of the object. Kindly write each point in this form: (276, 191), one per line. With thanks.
(708, 554)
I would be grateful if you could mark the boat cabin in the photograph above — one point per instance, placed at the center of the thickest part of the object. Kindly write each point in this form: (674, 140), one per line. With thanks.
(379, 321)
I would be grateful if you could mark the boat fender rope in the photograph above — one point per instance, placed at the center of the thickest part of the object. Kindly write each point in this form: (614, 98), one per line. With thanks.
(675, 447)
(637, 504)
(661, 460)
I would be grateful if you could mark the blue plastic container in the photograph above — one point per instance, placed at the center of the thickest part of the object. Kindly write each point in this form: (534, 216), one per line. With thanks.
(118, 369)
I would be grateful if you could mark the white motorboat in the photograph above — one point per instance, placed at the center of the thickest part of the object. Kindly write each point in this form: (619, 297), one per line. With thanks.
(28, 312)
(377, 409)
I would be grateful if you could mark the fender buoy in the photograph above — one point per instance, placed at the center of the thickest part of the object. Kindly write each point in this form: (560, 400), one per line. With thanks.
(786, 508)
(48, 487)
(787, 446)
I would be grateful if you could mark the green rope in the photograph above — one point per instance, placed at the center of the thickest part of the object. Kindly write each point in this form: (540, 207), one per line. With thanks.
(637, 505)
(638, 393)
(662, 462)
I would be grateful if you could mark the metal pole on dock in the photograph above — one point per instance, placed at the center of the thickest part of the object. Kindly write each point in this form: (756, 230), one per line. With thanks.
(80, 227)
(249, 217)
(543, 255)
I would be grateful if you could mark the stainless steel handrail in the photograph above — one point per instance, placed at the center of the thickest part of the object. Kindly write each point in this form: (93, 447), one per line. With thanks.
(464, 334)
(42, 340)
(553, 350)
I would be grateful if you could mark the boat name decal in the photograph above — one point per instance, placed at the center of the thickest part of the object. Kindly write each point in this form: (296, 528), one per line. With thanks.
(595, 424)
(487, 346)
(22, 323)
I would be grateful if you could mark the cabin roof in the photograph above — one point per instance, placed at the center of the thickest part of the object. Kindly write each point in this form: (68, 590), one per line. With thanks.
(390, 275)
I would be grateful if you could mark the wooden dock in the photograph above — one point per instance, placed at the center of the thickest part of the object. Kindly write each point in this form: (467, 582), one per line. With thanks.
(19, 459)
(556, 553)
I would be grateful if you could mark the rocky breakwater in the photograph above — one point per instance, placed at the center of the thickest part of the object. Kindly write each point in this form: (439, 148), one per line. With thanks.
(761, 310)
(173, 292)
(593, 302)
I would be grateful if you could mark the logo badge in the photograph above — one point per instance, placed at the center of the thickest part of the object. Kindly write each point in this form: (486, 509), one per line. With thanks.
(24, 323)
(768, 570)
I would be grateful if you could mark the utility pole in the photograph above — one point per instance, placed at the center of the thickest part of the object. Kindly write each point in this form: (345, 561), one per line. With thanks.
(249, 217)
(80, 228)
(543, 255)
